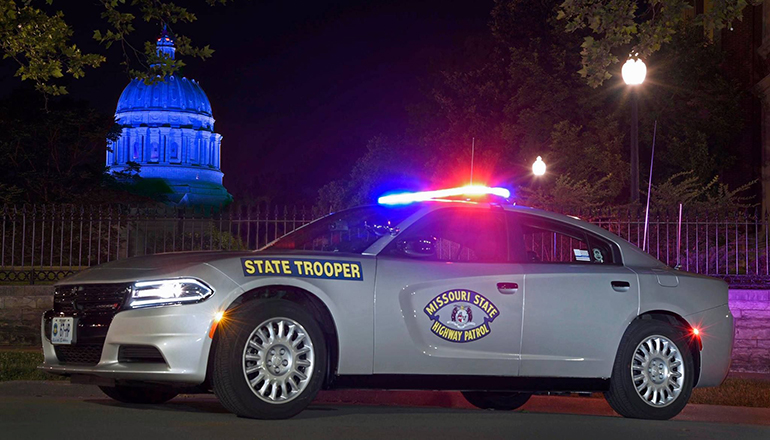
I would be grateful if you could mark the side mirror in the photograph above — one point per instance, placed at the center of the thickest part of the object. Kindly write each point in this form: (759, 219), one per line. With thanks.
(424, 247)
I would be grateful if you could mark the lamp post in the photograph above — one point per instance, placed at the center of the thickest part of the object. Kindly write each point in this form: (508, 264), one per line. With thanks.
(538, 167)
(634, 72)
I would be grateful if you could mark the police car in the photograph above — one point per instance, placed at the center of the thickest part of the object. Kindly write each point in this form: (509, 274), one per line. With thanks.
(445, 290)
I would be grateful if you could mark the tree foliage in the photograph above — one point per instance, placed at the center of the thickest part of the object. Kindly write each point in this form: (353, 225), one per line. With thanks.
(613, 29)
(686, 188)
(58, 156)
(385, 161)
(39, 40)
(516, 91)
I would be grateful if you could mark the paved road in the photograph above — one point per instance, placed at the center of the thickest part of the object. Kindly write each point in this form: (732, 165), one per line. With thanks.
(34, 411)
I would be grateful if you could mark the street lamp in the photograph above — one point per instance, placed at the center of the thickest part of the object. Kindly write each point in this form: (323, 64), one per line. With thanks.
(538, 167)
(634, 72)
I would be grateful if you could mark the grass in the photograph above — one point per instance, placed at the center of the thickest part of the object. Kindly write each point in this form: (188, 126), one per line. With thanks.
(22, 365)
(735, 392)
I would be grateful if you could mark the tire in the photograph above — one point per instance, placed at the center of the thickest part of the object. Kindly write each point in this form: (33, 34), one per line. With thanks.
(654, 357)
(249, 352)
(502, 401)
(142, 394)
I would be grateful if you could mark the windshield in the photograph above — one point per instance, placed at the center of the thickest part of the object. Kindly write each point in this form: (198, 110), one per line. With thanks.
(352, 230)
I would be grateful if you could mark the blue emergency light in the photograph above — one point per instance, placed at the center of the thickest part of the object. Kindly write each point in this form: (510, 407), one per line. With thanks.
(463, 191)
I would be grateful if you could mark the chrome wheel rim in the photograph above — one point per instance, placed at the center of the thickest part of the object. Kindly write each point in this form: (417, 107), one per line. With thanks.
(278, 360)
(657, 371)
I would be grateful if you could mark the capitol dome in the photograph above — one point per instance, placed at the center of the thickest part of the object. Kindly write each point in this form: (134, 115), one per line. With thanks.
(179, 94)
(168, 129)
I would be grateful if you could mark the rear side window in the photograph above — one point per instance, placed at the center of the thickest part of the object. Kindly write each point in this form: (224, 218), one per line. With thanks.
(460, 235)
(551, 241)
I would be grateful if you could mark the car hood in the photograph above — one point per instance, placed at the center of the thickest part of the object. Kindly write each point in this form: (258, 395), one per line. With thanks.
(147, 266)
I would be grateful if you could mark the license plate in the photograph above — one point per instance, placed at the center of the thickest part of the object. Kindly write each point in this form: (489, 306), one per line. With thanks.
(62, 331)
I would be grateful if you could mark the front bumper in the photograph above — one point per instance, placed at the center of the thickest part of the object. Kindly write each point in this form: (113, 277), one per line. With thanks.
(717, 335)
(179, 333)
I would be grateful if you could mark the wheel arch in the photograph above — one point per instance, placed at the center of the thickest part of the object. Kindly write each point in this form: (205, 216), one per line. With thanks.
(299, 296)
(678, 322)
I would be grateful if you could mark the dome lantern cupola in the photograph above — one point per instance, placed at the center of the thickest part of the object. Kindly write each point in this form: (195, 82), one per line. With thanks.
(168, 129)
(165, 44)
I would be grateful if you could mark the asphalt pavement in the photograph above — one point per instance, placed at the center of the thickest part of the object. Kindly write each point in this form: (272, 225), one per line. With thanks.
(32, 410)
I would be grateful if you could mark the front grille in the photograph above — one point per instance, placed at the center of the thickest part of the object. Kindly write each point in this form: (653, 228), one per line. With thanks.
(93, 306)
(91, 299)
(83, 354)
(140, 354)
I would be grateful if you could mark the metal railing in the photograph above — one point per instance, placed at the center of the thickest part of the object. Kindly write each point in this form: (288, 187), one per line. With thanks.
(732, 245)
(48, 242)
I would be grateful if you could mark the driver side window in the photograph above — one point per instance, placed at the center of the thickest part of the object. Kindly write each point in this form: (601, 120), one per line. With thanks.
(458, 235)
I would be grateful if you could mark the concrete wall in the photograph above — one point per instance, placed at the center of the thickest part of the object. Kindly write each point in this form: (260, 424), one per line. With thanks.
(751, 352)
(22, 306)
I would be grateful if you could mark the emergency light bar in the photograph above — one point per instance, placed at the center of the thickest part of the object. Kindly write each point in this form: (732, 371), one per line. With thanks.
(421, 196)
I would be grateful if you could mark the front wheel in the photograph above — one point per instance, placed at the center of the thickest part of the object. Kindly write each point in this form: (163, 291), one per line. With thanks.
(502, 401)
(146, 394)
(269, 361)
(653, 373)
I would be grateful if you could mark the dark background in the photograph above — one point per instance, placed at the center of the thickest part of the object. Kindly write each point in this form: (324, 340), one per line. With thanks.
(297, 88)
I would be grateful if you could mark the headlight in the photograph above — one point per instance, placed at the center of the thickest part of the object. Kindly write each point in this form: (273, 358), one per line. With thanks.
(164, 292)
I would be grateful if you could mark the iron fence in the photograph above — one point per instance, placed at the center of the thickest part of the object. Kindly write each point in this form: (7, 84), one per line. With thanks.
(729, 245)
(48, 242)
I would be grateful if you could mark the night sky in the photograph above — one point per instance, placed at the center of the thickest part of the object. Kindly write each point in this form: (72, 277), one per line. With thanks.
(298, 88)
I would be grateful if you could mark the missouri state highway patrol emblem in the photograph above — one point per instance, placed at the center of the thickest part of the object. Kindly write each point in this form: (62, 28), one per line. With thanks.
(461, 315)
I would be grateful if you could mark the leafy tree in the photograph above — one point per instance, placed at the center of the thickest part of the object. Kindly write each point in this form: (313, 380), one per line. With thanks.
(38, 40)
(686, 188)
(520, 98)
(613, 29)
(568, 195)
(386, 165)
(58, 156)
(518, 93)
(698, 108)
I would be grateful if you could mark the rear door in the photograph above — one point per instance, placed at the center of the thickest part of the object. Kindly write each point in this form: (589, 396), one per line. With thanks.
(456, 310)
(579, 299)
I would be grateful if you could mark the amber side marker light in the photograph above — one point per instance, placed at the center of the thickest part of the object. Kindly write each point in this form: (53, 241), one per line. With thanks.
(217, 318)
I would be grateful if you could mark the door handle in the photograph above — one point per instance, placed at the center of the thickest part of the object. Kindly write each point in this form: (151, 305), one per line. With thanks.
(507, 288)
(621, 286)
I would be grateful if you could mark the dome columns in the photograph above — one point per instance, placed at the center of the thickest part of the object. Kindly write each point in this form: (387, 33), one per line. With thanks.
(166, 145)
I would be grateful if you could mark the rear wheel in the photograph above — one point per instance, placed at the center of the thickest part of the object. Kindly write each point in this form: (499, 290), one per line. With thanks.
(653, 373)
(270, 360)
(503, 401)
(141, 394)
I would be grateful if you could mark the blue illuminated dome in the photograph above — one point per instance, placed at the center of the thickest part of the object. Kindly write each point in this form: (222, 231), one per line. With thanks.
(168, 129)
(178, 94)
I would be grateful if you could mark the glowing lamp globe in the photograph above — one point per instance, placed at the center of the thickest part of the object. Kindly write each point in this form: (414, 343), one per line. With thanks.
(538, 168)
(634, 72)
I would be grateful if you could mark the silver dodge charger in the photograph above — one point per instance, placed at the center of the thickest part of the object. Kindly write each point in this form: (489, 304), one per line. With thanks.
(441, 291)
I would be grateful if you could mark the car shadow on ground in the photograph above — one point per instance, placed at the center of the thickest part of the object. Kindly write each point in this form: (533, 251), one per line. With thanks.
(210, 405)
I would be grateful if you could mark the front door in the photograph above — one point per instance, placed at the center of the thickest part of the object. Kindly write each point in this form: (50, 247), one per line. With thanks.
(452, 306)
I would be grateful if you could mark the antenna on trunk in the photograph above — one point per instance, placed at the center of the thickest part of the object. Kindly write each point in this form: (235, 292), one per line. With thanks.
(649, 188)
(473, 152)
